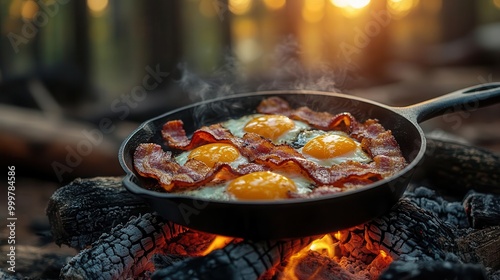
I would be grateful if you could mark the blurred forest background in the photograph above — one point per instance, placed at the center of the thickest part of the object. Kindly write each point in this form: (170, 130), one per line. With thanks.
(77, 76)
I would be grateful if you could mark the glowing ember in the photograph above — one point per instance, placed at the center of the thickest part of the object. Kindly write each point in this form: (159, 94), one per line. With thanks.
(322, 245)
(323, 258)
(219, 242)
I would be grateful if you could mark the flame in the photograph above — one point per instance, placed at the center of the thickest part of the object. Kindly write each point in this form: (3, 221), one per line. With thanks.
(337, 235)
(383, 254)
(323, 245)
(219, 242)
(384, 257)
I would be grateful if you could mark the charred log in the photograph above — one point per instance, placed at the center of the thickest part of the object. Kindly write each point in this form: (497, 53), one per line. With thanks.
(433, 270)
(86, 208)
(406, 230)
(481, 246)
(242, 260)
(125, 252)
(477, 168)
(451, 212)
(482, 209)
(322, 267)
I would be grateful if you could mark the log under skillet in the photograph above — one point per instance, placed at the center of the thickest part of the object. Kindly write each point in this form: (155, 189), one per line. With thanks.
(433, 231)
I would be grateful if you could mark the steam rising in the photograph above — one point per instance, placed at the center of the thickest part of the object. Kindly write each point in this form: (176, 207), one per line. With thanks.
(287, 73)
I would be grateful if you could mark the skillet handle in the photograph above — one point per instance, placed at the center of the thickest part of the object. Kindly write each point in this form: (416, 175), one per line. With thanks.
(467, 99)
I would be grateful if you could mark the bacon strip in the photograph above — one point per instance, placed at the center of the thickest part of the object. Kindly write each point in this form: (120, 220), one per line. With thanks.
(152, 161)
(175, 136)
(319, 120)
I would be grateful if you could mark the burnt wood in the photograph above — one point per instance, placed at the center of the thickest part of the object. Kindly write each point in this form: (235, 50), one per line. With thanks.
(482, 246)
(417, 228)
(125, 252)
(459, 168)
(452, 212)
(86, 208)
(482, 209)
(243, 260)
(433, 270)
(406, 230)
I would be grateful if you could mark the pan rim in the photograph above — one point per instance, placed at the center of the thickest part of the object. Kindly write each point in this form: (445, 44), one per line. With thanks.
(138, 190)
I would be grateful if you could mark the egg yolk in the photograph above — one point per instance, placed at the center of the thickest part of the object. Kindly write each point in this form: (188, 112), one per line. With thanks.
(328, 146)
(270, 126)
(261, 185)
(210, 154)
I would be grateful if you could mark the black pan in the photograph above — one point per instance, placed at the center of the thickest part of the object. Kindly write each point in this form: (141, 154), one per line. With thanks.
(296, 217)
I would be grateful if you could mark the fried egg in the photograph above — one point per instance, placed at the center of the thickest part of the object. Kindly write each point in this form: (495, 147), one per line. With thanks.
(262, 185)
(277, 128)
(327, 148)
(210, 154)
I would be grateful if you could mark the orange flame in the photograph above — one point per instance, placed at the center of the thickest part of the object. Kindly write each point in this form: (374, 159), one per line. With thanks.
(322, 245)
(219, 242)
(384, 257)
(326, 246)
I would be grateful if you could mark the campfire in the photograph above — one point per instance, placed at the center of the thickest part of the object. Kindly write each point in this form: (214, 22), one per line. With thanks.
(446, 226)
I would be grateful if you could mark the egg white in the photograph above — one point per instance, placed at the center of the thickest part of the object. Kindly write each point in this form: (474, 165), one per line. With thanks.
(235, 126)
(356, 155)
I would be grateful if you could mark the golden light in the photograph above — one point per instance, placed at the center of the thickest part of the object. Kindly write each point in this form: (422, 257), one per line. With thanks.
(313, 10)
(383, 254)
(29, 9)
(240, 7)
(496, 3)
(401, 8)
(275, 4)
(354, 4)
(97, 7)
(219, 242)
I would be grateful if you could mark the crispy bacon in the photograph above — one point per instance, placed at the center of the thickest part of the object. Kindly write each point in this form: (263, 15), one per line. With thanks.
(175, 136)
(151, 161)
(319, 120)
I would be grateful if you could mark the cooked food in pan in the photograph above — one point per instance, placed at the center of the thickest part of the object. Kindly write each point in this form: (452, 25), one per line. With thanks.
(277, 153)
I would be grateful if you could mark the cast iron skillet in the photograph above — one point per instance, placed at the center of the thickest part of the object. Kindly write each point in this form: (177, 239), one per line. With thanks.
(296, 217)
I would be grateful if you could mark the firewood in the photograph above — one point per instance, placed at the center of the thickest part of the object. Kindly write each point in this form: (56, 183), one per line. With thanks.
(86, 208)
(433, 270)
(459, 168)
(125, 252)
(452, 212)
(406, 230)
(482, 209)
(482, 246)
(243, 260)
